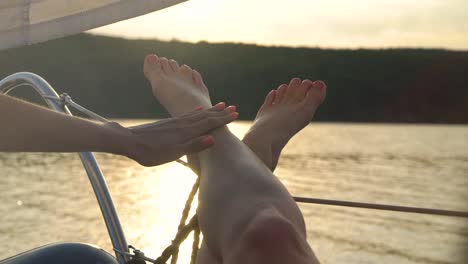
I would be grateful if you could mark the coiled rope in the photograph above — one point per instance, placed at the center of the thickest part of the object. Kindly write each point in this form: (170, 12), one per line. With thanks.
(172, 251)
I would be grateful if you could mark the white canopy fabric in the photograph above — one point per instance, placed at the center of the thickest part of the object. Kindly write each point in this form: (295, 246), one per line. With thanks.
(24, 22)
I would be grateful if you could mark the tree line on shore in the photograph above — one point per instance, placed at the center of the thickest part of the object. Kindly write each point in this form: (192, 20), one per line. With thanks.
(389, 85)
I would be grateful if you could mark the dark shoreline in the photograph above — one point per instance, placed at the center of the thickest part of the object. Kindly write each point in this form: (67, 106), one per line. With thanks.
(422, 86)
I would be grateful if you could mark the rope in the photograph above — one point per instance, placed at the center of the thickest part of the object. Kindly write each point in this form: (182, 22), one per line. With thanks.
(179, 238)
(195, 245)
(184, 217)
(172, 251)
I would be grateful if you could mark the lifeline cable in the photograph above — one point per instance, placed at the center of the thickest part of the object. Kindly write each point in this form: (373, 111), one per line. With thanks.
(397, 208)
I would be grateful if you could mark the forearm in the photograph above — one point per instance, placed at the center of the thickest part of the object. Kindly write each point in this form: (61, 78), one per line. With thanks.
(28, 127)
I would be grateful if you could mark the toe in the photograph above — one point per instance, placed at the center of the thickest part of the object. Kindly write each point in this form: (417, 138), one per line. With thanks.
(316, 95)
(295, 82)
(151, 59)
(174, 65)
(270, 98)
(151, 65)
(291, 91)
(300, 92)
(197, 78)
(280, 92)
(165, 65)
(186, 71)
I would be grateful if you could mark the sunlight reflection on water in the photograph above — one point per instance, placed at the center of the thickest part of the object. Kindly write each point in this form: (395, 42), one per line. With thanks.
(47, 197)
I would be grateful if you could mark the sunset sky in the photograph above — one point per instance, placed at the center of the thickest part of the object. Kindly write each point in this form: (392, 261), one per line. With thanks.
(330, 23)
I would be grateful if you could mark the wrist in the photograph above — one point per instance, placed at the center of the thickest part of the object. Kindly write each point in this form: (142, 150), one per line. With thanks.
(119, 139)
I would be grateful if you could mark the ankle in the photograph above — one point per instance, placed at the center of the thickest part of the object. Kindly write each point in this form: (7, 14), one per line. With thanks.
(261, 146)
(258, 136)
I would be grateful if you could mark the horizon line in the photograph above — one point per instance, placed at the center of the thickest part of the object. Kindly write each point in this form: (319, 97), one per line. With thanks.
(280, 45)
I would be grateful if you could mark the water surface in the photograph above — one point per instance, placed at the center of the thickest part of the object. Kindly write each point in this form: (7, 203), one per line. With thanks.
(47, 198)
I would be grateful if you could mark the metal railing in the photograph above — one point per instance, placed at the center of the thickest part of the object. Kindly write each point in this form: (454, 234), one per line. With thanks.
(58, 103)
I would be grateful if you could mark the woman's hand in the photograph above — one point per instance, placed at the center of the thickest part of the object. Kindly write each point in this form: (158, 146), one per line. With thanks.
(169, 139)
(31, 128)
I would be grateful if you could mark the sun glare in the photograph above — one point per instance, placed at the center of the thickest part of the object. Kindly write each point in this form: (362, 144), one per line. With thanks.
(334, 23)
(169, 186)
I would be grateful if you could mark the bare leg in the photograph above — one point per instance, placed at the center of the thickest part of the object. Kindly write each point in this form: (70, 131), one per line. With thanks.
(276, 122)
(241, 204)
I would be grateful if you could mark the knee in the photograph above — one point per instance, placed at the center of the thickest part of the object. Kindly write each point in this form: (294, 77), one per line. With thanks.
(269, 230)
(270, 238)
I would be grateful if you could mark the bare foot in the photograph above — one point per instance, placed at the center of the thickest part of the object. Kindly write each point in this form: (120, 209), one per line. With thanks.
(285, 112)
(179, 88)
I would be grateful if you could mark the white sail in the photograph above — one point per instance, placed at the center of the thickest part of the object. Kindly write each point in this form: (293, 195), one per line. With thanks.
(24, 22)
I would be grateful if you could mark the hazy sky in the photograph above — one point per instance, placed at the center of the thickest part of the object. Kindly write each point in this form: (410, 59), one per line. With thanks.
(324, 23)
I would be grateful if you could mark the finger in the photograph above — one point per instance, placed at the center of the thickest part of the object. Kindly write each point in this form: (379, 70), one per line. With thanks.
(218, 109)
(198, 110)
(196, 145)
(189, 127)
(207, 124)
(212, 114)
(184, 124)
(195, 111)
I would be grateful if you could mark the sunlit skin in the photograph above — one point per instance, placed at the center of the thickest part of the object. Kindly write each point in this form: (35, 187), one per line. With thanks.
(239, 223)
(149, 144)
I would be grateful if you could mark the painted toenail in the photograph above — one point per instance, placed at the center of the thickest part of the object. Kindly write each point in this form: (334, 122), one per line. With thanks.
(231, 109)
(319, 85)
(152, 59)
(208, 140)
(198, 108)
(234, 115)
(220, 106)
